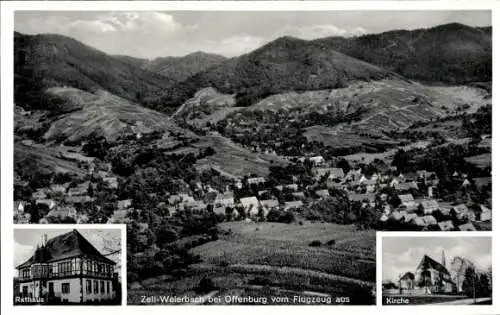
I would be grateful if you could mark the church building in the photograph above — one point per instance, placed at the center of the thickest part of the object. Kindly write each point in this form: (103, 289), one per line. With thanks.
(433, 276)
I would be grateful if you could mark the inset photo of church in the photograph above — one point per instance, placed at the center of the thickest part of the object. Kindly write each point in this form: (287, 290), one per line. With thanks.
(61, 266)
(440, 270)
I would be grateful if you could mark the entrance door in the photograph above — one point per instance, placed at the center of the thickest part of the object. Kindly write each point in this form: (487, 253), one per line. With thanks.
(51, 289)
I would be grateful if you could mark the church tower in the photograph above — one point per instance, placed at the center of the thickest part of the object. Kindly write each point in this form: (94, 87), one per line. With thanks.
(443, 259)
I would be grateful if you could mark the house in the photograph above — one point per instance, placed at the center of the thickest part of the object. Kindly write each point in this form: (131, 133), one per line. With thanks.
(417, 221)
(292, 187)
(332, 173)
(330, 184)
(467, 227)
(410, 177)
(317, 160)
(78, 199)
(124, 204)
(112, 182)
(353, 175)
(250, 203)
(369, 198)
(279, 187)
(466, 183)
(398, 215)
(461, 212)
(269, 204)
(323, 193)
(77, 191)
(262, 192)
(370, 185)
(293, 205)
(429, 220)
(409, 217)
(401, 187)
(407, 200)
(63, 213)
(19, 206)
(299, 195)
(61, 189)
(118, 217)
(256, 180)
(485, 214)
(69, 268)
(48, 202)
(395, 181)
(429, 205)
(407, 282)
(226, 199)
(195, 205)
(433, 277)
(39, 194)
(173, 199)
(446, 226)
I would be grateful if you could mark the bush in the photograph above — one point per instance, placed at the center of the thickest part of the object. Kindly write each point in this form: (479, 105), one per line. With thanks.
(330, 243)
(315, 243)
(206, 285)
(132, 277)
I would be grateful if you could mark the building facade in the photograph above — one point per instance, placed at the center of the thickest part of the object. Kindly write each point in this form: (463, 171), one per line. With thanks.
(66, 269)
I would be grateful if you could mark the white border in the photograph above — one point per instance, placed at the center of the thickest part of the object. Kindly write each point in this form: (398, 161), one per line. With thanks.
(7, 17)
(123, 251)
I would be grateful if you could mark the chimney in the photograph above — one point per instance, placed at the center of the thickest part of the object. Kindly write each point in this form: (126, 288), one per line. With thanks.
(430, 193)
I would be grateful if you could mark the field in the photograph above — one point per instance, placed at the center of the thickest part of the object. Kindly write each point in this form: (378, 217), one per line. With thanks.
(44, 159)
(234, 160)
(482, 160)
(275, 259)
(105, 114)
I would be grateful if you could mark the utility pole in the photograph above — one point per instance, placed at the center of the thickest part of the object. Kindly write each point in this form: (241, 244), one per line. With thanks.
(474, 285)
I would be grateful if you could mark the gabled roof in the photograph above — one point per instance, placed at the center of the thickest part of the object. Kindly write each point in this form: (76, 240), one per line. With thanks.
(467, 227)
(429, 263)
(71, 244)
(429, 204)
(406, 198)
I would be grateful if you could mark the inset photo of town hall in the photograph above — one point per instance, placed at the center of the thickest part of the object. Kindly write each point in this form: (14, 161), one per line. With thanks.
(63, 266)
(436, 270)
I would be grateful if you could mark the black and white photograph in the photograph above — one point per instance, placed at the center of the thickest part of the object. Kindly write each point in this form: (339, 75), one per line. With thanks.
(437, 270)
(67, 266)
(253, 155)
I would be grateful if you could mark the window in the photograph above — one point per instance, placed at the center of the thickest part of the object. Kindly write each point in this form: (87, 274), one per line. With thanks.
(65, 288)
(96, 286)
(65, 267)
(102, 287)
(89, 286)
(107, 287)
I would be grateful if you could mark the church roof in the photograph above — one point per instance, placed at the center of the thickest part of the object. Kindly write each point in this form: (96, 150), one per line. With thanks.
(67, 245)
(429, 263)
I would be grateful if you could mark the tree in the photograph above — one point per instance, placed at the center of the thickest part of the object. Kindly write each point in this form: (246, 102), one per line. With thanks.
(206, 285)
(344, 165)
(401, 160)
(471, 282)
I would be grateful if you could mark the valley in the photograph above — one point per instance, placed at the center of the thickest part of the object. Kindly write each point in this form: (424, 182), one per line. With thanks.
(262, 174)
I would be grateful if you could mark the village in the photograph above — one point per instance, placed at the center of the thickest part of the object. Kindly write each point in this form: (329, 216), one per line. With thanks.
(400, 201)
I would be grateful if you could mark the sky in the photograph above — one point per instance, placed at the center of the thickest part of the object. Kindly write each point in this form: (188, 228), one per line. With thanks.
(403, 254)
(148, 34)
(26, 241)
